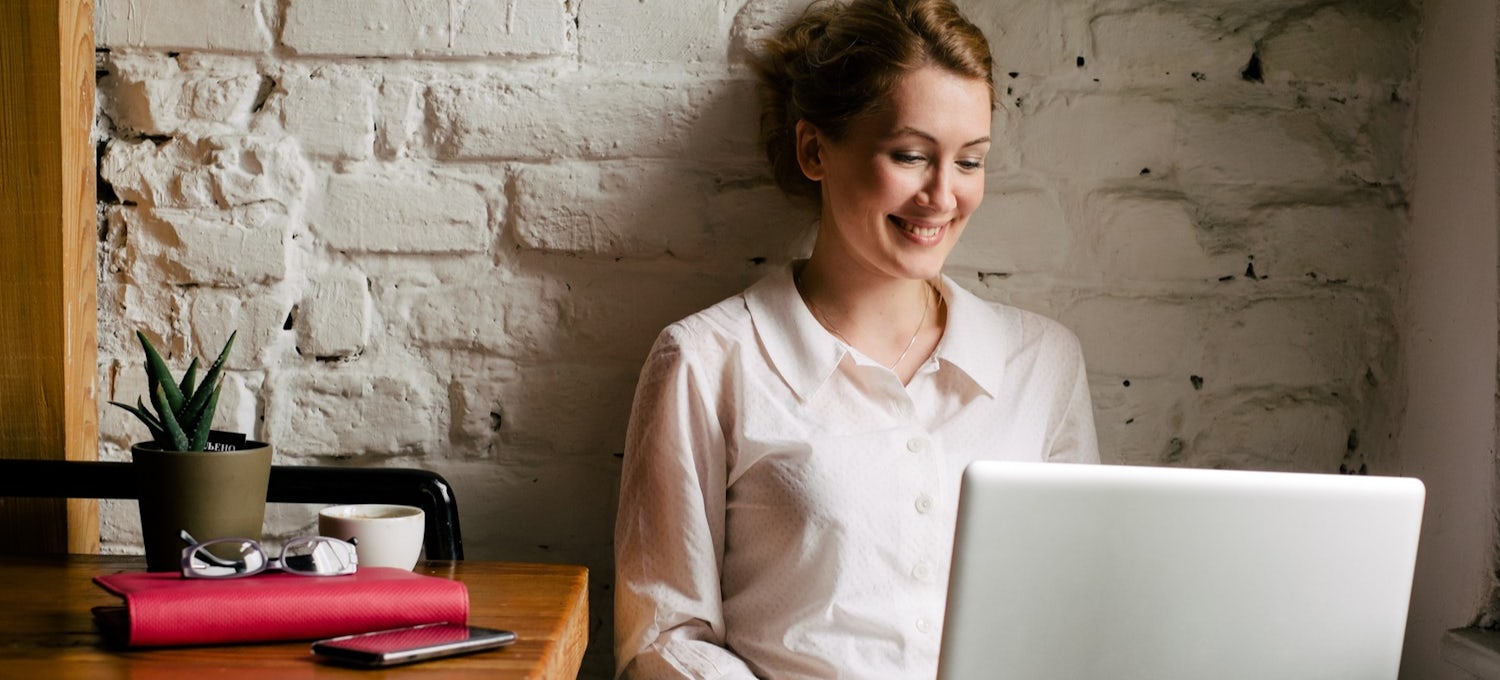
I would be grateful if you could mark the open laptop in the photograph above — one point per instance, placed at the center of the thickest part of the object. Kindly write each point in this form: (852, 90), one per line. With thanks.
(1081, 572)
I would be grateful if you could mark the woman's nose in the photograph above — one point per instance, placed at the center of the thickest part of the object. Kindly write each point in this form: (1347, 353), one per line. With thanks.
(937, 194)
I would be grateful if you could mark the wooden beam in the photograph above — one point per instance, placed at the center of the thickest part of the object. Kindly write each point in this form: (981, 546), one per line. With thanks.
(48, 239)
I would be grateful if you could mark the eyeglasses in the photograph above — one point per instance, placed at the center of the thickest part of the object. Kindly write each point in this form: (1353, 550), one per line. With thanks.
(236, 557)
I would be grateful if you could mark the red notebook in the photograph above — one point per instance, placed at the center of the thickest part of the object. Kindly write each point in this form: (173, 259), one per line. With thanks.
(163, 609)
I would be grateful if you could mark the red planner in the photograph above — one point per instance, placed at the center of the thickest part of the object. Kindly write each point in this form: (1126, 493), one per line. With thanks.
(163, 609)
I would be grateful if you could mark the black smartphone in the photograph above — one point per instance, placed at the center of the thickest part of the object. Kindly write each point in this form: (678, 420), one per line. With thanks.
(405, 645)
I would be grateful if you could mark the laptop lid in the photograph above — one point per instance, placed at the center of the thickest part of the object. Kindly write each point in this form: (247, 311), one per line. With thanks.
(1123, 572)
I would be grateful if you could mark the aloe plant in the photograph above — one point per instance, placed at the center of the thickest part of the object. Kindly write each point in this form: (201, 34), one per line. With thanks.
(184, 411)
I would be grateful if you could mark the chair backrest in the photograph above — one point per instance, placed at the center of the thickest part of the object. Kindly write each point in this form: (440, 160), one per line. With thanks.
(288, 484)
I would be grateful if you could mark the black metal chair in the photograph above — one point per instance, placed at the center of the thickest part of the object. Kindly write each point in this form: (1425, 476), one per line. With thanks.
(288, 484)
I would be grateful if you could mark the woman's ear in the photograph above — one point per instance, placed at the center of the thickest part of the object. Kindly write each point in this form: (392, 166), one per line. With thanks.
(810, 150)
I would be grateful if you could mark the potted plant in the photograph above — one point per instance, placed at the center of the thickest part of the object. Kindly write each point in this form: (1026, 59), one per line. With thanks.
(183, 482)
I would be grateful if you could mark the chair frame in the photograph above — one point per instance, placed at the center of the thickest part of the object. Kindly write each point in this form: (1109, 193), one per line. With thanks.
(425, 489)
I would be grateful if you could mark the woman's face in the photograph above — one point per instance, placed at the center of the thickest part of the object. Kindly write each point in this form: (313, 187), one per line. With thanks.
(900, 186)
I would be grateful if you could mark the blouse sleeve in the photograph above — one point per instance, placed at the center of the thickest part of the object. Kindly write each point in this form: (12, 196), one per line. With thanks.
(1073, 438)
(669, 532)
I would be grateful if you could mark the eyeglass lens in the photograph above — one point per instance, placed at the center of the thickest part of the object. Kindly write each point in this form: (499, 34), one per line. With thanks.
(231, 557)
(318, 555)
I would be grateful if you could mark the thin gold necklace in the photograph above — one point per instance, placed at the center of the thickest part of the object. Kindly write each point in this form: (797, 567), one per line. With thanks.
(818, 313)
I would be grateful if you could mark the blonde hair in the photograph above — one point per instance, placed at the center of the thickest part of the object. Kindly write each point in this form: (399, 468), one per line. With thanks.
(838, 62)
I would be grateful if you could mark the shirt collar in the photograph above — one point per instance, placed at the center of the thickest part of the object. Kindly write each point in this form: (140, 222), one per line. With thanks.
(975, 342)
(799, 349)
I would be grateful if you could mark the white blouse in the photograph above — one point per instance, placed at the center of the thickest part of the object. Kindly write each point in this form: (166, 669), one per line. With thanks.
(787, 505)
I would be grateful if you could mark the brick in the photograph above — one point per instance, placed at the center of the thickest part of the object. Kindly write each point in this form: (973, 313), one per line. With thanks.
(407, 210)
(257, 317)
(579, 312)
(1030, 38)
(152, 95)
(650, 31)
(1342, 44)
(469, 315)
(1131, 338)
(206, 247)
(569, 508)
(219, 25)
(581, 117)
(328, 412)
(331, 111)
(259, 170)
(1142, 423)
(760, 20)
(1266, 148)
(238, 409)
(500, 406)
(398, 117)
(1144, 238)
(627, 209)
(1176, 42)
(1099, 137)
(1356, 243)
(173, 175)
(1015, 229)
(334, 317)
(126, 382)
(1289, 343)
(1283, 433)
(1378, 154)
(398, 28)
(216, 172)
(755, 222)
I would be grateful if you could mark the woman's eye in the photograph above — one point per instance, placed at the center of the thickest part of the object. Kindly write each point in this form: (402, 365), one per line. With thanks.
(907, 158)
(971, 164)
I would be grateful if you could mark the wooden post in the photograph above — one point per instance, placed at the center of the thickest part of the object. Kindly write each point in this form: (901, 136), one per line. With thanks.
(48, 239)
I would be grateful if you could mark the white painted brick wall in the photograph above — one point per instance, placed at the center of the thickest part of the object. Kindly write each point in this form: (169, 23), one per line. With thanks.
(447, 232)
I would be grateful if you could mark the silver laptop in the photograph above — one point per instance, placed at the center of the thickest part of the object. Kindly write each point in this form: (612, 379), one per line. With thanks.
(1081, 572)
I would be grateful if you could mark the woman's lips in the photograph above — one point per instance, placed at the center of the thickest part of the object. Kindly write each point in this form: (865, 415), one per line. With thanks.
(920, 230)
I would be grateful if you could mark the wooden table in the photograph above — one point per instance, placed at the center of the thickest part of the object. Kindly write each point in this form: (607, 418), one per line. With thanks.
(47, 630)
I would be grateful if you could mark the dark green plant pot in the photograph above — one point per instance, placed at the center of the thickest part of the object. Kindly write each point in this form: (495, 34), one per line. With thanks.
(211, 494)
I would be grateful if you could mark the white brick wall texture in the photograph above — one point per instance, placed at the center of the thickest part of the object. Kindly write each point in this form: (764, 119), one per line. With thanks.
(447, 232)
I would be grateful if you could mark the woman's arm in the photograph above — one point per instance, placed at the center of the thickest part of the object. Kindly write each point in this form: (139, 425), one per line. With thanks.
(669, 533)
(1074, 439)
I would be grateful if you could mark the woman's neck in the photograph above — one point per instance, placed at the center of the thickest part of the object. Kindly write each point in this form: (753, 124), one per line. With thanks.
(894, 321)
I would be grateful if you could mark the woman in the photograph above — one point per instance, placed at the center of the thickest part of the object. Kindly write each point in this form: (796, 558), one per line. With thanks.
(792, 464)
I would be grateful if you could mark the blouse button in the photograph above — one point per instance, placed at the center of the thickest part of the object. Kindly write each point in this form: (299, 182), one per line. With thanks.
(924, 503)
(916, 445)
(923, 625)
(921, 571)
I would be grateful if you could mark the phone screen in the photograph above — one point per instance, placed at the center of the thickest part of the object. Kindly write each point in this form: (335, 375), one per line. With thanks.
(405, 645)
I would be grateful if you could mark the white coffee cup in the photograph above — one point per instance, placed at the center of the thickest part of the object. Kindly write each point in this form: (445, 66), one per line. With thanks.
(386, 535)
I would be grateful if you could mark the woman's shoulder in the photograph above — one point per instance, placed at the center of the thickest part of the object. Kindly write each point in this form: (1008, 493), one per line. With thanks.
(732, 322)
(1021, 331)
(714, 329)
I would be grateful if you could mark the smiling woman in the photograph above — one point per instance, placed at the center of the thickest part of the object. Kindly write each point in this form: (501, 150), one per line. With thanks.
(791, 471)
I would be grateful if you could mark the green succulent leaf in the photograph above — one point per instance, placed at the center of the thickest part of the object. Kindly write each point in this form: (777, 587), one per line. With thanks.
(200, 434)
(160, 376)
(187, 385)
(169, 419)
(198, 407)
(140, 412)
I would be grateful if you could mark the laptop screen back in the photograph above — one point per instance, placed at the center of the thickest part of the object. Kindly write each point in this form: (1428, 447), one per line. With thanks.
(1091, 571)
